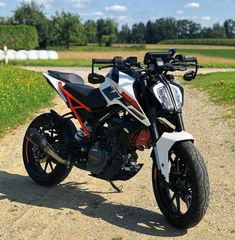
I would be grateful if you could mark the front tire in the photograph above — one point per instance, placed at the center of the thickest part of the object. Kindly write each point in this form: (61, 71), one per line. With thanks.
(41, 167)
(185, 200)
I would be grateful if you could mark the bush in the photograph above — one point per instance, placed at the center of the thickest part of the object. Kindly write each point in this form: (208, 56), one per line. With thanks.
(201, 41)
(18, 36)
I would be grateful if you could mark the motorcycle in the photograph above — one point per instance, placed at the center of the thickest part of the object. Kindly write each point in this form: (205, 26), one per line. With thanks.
(134, 108)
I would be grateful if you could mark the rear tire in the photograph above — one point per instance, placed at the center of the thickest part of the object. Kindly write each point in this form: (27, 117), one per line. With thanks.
(189, 186)
(42, 168)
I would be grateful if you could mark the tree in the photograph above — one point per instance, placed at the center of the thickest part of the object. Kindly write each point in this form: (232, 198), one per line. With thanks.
(100, 24)
(188, 29)
(32, 14)
(124, 35)
(165, 28)
(206, 33)
(91, 31)
(138, 33)
(150, 36)
(218, 31)
(67, 30)
(106, 31)
(229, 26)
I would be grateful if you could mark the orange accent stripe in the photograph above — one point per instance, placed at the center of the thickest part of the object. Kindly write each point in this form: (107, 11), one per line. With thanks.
(70, 97)
(155, 173)
(130, 100)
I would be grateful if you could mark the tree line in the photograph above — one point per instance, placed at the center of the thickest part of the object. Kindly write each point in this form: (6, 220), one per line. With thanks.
(67, 29)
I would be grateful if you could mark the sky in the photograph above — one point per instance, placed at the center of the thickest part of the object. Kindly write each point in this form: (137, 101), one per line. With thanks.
(205, 12)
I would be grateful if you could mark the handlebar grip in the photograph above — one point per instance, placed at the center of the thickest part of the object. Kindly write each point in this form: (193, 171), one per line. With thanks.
(102, 61)
(190, 59)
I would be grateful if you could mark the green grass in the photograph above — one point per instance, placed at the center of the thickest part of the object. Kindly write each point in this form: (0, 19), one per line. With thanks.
(22, 92)
(53, 63)
(222, 53)
(221, 90)
(217, 65)
(220, 87)
(201, 41)
(97, 48)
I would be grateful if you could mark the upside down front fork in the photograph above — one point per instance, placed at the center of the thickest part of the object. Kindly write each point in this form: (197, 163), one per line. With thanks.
(163, 143)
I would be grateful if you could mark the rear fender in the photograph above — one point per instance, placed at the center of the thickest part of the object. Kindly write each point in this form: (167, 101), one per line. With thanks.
(163, 146)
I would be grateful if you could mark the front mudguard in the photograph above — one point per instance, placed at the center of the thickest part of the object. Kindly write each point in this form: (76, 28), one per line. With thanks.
(163, 146)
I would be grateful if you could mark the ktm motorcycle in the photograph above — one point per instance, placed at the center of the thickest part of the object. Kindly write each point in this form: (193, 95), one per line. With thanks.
(134, 108)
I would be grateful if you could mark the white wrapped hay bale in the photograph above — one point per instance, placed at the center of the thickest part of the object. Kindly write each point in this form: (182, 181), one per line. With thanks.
(21, 55)
(33, 55)
(42, 54)
(11, 54)
(2, 55)
(53, 55)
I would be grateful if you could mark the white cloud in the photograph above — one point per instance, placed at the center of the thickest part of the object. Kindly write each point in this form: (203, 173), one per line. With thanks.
(192, 5)
(46, 3)
(180, 11)
(122, 18)
(206, 18)
(80, 3)
(116, 8)
(37, 1)
(92, 14)
(2, 3)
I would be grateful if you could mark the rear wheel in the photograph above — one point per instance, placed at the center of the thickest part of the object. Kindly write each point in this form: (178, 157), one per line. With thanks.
(184, 201)
(42, 168)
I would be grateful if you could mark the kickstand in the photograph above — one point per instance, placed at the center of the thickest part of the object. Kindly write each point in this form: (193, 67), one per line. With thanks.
(118, 189)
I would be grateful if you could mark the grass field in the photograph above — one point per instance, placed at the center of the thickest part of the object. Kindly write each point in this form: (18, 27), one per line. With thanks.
(208, 56)
(22, 92)
(220, 86)
(203, 41)
(221, 90)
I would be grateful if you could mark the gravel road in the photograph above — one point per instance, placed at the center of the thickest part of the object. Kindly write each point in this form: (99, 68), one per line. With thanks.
(86, 208)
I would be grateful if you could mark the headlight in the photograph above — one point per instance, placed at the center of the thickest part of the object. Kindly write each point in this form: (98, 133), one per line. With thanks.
(177, 96)
(163, 96)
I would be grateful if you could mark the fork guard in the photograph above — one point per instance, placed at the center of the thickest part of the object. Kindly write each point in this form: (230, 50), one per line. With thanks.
(163, 146)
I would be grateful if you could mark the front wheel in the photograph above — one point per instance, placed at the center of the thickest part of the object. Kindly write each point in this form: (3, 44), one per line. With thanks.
(184, 201)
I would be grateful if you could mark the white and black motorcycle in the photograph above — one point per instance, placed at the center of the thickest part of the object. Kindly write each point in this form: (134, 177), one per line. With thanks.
(134, 108)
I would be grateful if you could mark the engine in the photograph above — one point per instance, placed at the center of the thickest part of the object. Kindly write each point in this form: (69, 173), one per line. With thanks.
(116, 149)
(97, 160)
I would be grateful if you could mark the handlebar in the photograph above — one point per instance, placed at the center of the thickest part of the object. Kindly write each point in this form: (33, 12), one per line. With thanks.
(115, 62)
(157, 63)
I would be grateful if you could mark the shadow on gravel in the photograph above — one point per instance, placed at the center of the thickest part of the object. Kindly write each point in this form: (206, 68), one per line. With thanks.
(74, 196)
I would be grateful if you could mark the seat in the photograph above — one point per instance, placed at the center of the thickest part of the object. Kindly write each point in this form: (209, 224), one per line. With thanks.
(88, 95)
(66, 77)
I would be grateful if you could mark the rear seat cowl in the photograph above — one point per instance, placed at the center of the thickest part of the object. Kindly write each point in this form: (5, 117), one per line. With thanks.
(66, 77)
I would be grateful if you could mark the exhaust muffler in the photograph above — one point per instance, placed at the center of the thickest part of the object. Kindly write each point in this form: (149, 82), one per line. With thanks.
(37, 139)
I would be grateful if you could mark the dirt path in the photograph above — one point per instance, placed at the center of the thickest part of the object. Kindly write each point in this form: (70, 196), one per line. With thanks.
(86, 208)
